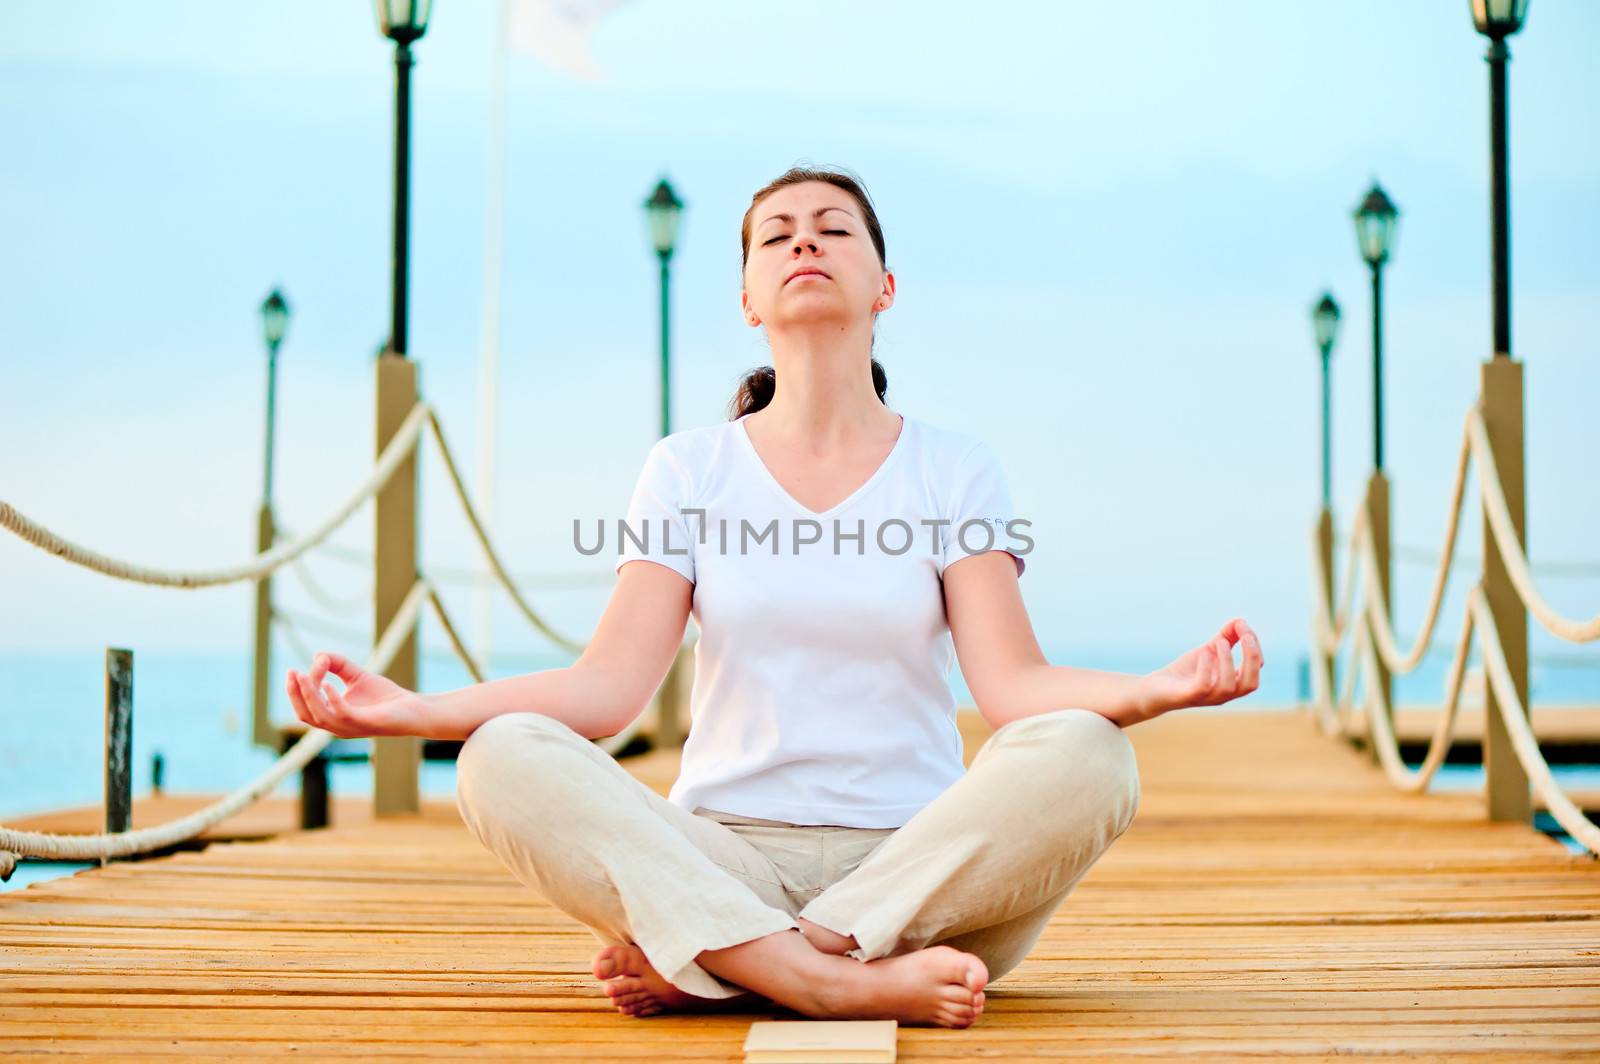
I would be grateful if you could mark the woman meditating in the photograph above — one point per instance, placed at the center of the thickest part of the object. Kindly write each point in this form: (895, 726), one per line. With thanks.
(822, 847)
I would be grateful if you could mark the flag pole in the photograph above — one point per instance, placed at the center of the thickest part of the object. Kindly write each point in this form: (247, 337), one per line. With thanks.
(489, 329)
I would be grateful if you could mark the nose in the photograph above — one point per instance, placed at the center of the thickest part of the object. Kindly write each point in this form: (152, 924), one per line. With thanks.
(803, 242)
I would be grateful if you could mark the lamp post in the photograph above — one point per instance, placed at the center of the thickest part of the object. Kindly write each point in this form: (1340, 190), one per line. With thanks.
(1500, 392)
(403, 22)
(274, 324)
(1325, 324)
(1375, 227)
(1497, 20)
(663, 210)
(396, 760)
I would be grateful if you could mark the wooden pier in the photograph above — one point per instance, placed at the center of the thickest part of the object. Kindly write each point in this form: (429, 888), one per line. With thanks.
(1274, 898)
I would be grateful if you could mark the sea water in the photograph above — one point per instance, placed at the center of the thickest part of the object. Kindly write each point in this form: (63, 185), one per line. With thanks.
(193, 709)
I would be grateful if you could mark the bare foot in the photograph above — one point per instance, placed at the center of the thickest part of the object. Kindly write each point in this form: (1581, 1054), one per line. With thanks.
(637, 989)
(939, 986)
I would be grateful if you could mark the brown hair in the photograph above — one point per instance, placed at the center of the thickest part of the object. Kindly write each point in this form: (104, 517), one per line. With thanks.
(756, 386)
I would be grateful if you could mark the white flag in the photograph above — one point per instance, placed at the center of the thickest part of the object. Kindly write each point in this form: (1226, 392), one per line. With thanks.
(557, 32)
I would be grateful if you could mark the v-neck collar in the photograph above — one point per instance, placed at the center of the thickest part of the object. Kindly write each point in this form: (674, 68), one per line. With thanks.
(749, 448)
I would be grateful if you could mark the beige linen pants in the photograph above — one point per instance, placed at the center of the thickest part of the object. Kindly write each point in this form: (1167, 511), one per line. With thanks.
(981, 868)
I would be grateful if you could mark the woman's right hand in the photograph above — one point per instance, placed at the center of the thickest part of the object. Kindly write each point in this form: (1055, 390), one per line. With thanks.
(371, 705)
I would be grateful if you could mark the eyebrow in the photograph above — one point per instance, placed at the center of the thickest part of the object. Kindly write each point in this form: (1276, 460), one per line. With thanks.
(818, 213)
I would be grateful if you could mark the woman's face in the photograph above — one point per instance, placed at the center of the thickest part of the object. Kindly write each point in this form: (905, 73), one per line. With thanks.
(818, 227)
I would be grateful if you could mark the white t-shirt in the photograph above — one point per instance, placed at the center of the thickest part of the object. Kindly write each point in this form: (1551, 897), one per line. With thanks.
(820, 689)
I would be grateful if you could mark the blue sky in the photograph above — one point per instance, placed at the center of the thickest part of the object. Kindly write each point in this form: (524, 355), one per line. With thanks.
(1107, 222)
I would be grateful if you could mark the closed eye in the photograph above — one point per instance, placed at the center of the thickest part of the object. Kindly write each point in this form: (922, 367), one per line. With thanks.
(785, 236)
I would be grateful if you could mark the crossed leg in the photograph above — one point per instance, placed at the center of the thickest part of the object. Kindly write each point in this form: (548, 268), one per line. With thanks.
(704, 909)
(983, 866)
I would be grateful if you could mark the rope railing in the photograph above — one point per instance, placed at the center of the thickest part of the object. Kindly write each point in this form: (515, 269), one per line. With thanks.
(610, 744)
(326, 599)
(489, 553)
(1523, 741)
(1328, 627)
(1374, 641)
(1377, 611)
(105, 846)
(398, 449)
(463, 576)
(1510, 547)
(108, 845)
(124, 843)
(1411, 554)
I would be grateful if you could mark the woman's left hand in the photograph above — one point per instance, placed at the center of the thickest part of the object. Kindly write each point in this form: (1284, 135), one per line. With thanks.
(1206, 675)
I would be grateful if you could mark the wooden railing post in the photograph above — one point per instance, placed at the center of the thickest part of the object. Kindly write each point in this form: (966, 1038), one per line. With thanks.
(119, 740)
(261, 730)
(1505, 781)
(1378, 521)
(672, 700)
(396, 760)
(1325, 553)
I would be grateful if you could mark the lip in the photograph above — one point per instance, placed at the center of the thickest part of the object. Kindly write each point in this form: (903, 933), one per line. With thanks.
(805, 271)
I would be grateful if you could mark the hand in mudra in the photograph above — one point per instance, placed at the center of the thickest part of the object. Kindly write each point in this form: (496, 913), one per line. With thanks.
(371, 705)
(1206, 675)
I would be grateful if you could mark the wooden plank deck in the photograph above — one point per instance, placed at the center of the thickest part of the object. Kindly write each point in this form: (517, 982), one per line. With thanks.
(1274, 898)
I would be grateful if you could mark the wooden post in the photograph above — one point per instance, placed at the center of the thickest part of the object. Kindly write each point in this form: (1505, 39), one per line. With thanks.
(396, 760)
(1378, 517)
(313, 786)
(1505, 781)
(119, 740)
(1325, 553)
(261, 673)
(672, 699)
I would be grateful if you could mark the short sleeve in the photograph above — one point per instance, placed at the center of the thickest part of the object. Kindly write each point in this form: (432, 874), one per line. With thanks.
(656, 529)
(981, 512)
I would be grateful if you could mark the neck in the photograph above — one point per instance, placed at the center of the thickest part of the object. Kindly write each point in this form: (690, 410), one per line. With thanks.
(825, 394)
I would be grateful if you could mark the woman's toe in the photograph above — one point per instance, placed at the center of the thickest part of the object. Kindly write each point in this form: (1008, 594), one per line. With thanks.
(641, 997)
(624, 984)
(605, 962)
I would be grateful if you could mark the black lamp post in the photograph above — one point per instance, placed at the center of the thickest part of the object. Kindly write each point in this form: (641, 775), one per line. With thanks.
(1325, 323)
(1375, 226)
(663, 210)
(274, 323)
(402, 21)
(1497, 20)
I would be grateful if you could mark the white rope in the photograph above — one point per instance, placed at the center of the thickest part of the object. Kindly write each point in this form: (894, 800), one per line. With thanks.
(1377, 606)
(1380, 715)
(610, 744)
(122, 844)
(1323, 710)
(291, 632)
(464, 576)
(1511, 549)
(1472, 563)
(401, 446)
(323, 598)
(489, 552)
(1330, 630)
(1515, 715)
(398, 449)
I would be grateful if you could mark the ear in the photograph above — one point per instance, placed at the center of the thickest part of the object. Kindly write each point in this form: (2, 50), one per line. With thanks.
(886, 296)
(750, 317)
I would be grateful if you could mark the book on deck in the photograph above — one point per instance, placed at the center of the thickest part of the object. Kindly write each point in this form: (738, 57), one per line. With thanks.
(821, 1042)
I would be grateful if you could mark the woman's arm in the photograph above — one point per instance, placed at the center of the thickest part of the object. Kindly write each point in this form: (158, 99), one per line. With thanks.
(1010, 678)
(587, 699)
(600, 694)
